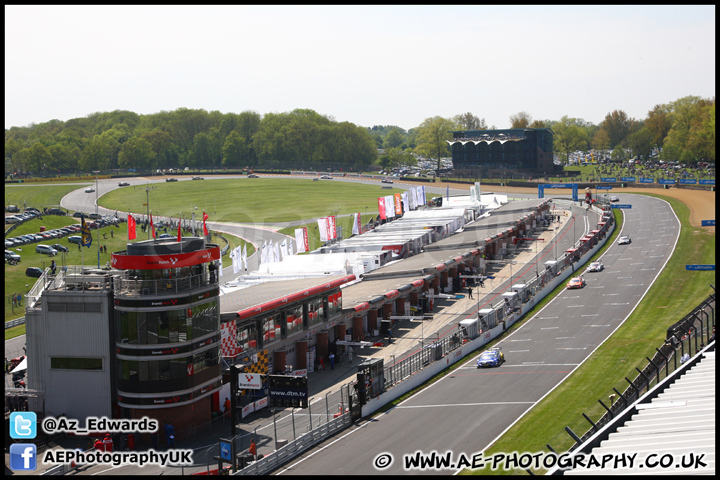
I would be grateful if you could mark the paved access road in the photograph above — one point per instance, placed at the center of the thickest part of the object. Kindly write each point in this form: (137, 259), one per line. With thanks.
(466, 411)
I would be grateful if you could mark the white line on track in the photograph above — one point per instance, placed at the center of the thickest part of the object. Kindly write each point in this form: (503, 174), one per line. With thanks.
(465, 404)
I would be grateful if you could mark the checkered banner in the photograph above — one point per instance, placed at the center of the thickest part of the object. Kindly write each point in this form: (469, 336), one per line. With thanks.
(228, 340)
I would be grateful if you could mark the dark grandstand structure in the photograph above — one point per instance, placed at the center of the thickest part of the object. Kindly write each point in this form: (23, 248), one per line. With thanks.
(518, 149)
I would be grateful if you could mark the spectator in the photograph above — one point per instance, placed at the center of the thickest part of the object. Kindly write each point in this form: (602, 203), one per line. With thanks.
(170, 435)
(99, 446)
(332, 361)
(108, 443)
(227, 406)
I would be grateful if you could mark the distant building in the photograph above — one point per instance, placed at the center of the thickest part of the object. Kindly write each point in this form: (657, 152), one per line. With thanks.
(526, 149)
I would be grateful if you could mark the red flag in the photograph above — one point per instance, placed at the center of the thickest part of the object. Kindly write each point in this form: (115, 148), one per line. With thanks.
(205, 230)
(179, 232)
(152, 227)
(131, 227)
(381, 207)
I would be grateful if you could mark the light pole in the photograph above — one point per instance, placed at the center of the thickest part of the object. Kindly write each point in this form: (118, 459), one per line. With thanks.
(97, 225)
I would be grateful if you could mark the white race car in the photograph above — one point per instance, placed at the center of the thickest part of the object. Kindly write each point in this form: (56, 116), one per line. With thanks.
(596, 267)
(624, 240)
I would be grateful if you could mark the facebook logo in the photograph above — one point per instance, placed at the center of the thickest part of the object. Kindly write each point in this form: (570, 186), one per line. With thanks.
(23, 425)
(23, 456)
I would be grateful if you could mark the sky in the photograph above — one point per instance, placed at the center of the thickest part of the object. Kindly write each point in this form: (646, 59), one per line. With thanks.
(368, 65)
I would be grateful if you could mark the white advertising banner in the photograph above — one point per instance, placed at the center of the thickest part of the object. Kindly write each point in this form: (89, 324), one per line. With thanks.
(250, 381)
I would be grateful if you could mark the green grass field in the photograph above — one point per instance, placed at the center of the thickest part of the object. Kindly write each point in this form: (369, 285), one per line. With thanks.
(250, 200)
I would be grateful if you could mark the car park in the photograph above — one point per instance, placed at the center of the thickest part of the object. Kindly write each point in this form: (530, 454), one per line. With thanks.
(576, 282)
(89, 190)
(624, 240)
(34, 272)
(171, 179)
(60, 248)
(45, 250)
(596, 267)
(492, 357)
(75, 239)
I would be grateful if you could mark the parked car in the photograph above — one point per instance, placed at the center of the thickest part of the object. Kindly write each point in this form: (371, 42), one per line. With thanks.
(12, 208)
(45, 250)
(75, 239)
(12, 256)
(9, 243)
(491, 358)
(56, 211)
(13, 219)
(34, 272)
(576, 282)
(60, 248)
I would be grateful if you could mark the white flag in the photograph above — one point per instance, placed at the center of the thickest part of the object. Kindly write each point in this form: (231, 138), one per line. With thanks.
(233, 256)
(300, 240)
(322, 229)
(283, 249)
(357, 226)
(405, 201)
(244, 257)
(390, 206)
(276, 253)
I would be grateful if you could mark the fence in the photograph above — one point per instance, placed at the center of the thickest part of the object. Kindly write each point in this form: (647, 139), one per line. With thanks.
(684, 339)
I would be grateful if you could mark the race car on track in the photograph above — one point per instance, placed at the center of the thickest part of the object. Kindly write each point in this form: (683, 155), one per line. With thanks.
(491, 358)
(614, 199)
(576, 282)
(624, 240)
(596, 267)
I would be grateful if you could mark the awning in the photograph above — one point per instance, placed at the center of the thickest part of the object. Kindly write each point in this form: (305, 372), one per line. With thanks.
(570, 250)
(21, 367)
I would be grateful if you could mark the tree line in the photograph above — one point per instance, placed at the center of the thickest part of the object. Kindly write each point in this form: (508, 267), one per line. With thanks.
(123, 140)
(683, 130)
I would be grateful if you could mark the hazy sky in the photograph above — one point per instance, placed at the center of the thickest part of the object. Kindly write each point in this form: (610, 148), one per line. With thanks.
(369, 65)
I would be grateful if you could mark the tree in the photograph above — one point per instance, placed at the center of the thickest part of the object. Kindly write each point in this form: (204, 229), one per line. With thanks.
(136, 153)
(234, 150)
(520, 120)
(393, 139)
(701, 140)
(658, 124)
(433, 136)
(617, 126)
(201, 150)
(468, 121)
(569, 137)
(39, 157)
(641, 143)
(161, 143)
